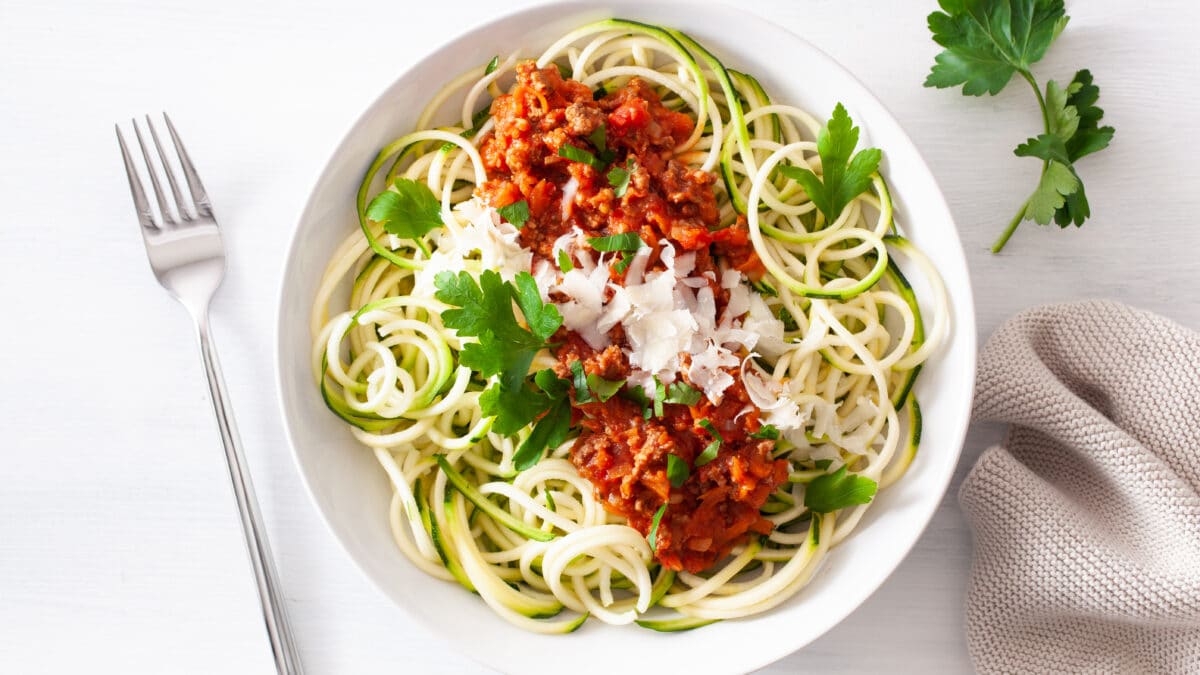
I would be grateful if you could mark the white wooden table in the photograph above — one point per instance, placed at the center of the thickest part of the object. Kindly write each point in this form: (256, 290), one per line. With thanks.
(119, 547)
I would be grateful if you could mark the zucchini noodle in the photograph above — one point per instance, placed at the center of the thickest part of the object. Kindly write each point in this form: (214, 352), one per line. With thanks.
(538, 546)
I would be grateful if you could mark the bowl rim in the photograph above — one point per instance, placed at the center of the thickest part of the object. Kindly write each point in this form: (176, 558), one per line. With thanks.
(963, 318)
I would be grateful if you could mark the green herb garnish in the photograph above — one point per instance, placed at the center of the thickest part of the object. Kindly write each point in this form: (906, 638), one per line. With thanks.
(564, 262)
(682, 393)
(626, 241)
(709, 454)
(577, 154)
(516, 213)
(653, 536)
(579, 382)
(492, 65)
(838, 490)
(618, 177)
(767, 432)
(987, 42)
(677, 470)
(602, 388)
(845, 174)
(505, 349)
(409, 210)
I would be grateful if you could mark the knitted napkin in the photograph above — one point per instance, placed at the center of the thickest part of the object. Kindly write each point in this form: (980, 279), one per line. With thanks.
(1087, 518)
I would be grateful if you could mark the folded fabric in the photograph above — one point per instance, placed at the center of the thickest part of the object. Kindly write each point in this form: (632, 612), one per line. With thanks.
(1087, 519)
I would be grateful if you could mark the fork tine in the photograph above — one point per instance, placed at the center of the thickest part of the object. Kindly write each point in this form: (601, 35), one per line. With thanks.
(158, 193)
(179, 202)
(145, 217)
(199, 196)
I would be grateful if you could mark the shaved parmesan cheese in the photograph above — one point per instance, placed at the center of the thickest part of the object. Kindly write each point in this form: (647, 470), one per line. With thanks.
(778, 408)
(761, 322)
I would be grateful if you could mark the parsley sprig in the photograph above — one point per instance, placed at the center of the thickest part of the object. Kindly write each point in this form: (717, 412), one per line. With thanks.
(505, 349)
(845, 174)
(987, 42)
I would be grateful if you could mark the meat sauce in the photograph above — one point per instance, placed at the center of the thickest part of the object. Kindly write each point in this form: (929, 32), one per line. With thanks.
(621, 451)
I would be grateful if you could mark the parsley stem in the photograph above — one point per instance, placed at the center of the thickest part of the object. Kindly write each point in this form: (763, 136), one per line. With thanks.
(1016, 221)
(421, 245)
(1012, 227)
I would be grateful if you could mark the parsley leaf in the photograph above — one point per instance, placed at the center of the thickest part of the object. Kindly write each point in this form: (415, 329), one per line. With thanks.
(618, 177)
(622, 263)
(409, 210)
(564, 262)
(653, 536)
(549, 381)
(542, 318)
(485, 311)
(711, 429)
(599, 138)
(602, 388)
(987, 41)
(492, 65)
(677, 470)
(1058, 180)
(626, 241)
(660, 394)
(683, 393)
(845, 174)
(580, 383)
(837, 490)
(516, 213)
(577, 154)
(549, 432)
(513, 411)
(767, 432)
(709, 454)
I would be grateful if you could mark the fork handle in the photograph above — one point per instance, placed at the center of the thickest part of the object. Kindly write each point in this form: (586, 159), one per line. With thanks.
(283, 648)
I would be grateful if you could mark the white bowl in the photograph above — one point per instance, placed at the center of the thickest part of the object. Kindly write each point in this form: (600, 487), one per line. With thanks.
(353, 495)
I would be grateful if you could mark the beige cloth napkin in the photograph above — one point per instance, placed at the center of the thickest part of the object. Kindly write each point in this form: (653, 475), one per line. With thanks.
(1087, 519)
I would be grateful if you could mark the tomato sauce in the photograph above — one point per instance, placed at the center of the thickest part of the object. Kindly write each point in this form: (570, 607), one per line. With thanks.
(623, 451)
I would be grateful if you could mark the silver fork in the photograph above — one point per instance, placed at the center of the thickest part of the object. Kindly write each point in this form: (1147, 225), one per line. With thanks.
(188, 259)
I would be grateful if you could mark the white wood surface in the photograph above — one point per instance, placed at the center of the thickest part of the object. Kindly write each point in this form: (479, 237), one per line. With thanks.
(119, 547)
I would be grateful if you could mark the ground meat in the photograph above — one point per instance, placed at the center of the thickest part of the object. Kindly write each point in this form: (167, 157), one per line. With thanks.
(583, 119)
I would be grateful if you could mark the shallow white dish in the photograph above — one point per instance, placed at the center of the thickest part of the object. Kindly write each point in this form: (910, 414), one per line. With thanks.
(353, 495)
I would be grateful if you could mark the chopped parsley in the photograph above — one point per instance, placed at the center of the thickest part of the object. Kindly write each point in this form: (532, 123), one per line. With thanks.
(652, 538)
(683, 393)
(516, 213)
(618, 177)
(766, 431)
(579, 381)
(602, 388)
(622, 263)
(710, 428)
(838, 490)
(599, 138)
(577, 154)
(660, 395)
(709, 454)
(625, 241)
(492, 65)
(677, 470)
(564, 262)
